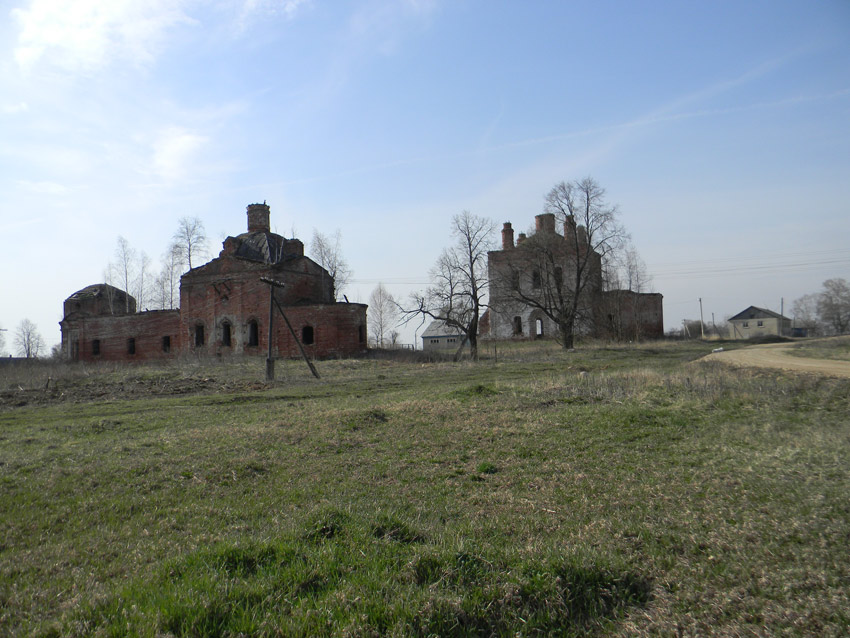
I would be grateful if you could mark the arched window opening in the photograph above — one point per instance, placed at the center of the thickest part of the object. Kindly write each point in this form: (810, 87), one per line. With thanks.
(253, 333)
(559, 277)
(538, 328)
(199, 334)
(307, 335)
(517, 325)
(535, 279)
(225, 334)
(361, 333)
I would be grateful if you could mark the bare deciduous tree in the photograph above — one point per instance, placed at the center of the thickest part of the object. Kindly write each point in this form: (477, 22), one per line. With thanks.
(28, 340)
(834, 305)
(459, 280)
(143, 284)
(567, 270)
(624, 272)
(167, 283)
(805, 313)
(327, 251)
(383, 314)
(190, 239)
(124, 269)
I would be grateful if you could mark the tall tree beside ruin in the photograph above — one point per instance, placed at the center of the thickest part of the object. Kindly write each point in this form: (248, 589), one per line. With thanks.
(383, 314)
(143, 284)
(624, 271)
(459, 278)
(124, 269)
(28, 339)
(834, 305)
(191, 240)
(167, 282)
(567, 270)
(327, 252)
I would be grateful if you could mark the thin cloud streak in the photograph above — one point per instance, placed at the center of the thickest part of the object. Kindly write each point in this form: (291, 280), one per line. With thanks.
(637, 123)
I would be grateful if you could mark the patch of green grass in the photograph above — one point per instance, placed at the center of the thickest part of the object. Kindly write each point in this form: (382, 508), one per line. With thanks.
(608, 490)
(837, 348)
(355, 583)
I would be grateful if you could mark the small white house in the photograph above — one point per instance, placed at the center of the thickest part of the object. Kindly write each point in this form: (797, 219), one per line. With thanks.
(758, 322)
(439, 336)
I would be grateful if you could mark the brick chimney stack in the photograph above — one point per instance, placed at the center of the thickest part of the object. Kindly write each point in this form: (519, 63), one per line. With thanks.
(507, 236)
(258, 218)
(545, 222)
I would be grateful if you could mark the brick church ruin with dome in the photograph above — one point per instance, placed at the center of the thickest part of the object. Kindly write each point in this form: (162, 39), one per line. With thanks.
(224, 308)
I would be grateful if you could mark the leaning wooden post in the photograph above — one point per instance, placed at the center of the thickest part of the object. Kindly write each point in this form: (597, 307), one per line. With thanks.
(269, 359)
(272, 303)
(298, 342)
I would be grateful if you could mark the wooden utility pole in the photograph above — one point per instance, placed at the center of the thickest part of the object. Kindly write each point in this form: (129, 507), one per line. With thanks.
(272, 303)
(701, 324)
(269, 359)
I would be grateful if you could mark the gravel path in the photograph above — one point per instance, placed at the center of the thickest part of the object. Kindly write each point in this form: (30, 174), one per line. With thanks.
(776, 355)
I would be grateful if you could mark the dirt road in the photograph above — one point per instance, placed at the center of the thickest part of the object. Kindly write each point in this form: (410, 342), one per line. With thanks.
(776, 355)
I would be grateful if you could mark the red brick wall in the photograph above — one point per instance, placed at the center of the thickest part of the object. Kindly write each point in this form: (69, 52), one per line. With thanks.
(114, 332)
(631, 315)
(228, 292)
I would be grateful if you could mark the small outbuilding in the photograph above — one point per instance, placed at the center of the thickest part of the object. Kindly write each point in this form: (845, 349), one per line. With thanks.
(439, 336)
(758, 322)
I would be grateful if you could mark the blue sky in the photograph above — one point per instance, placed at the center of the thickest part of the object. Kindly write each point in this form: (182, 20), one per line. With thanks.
(721, 129)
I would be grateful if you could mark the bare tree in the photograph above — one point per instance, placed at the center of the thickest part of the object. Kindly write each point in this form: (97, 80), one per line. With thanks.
(124, 268)
(805, 313)
(560, 276)
(459, 280)
(624, 272)
(167, 282)
(383, 311)
(834, 305)
(28, 340)
(190, 239)
(143, 280)
(327, 252)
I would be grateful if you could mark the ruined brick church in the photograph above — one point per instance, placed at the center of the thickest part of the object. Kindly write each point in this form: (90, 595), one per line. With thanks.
(536, 270)
(224, 308)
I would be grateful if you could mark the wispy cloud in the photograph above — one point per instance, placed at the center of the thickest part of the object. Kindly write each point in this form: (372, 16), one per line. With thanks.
(43, 188)
(174, 152)
(252, 10)
(85, 35)
(12, 109)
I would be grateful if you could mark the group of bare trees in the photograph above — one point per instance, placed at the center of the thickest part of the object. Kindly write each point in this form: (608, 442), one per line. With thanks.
(825, 312)
(132, 271)
(27, 340)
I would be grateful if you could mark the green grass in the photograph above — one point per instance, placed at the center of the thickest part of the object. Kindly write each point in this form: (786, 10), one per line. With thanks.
(837, 348)
(607, 491)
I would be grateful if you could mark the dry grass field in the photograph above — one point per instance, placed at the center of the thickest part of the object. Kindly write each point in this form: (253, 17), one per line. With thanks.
(608, 491)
